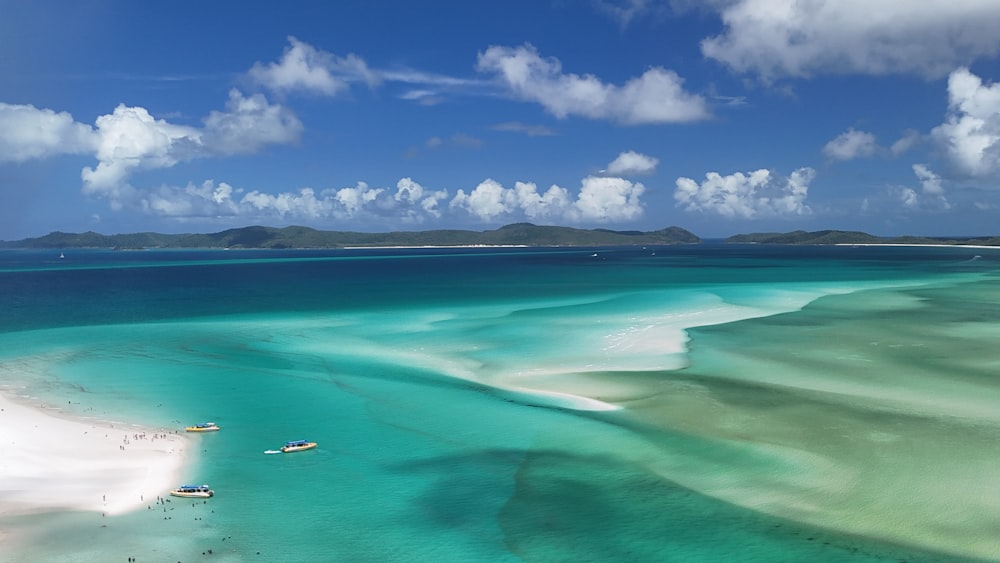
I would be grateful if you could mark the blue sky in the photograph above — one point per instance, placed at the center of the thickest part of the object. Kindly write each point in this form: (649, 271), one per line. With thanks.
(719, 116)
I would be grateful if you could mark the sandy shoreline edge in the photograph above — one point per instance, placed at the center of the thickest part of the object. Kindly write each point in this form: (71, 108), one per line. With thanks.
(54, 462)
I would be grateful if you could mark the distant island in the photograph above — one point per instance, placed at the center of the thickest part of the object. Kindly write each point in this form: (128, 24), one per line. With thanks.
(517, 234)
(856, 237)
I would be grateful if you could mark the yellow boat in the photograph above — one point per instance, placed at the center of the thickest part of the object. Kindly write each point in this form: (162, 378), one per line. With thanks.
(193, 491)
(203, 427)
(297, 446)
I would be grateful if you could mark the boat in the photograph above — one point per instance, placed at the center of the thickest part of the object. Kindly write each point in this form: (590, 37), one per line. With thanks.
(203, 427)
(193, 491)
(61, 255)
(297, 446)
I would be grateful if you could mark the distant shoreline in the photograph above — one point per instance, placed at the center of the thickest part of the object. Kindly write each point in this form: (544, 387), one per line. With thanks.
(917, 244)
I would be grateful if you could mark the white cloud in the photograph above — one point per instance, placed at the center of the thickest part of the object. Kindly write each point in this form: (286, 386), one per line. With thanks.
(631, 163)
(608, 199)
(776, 38)
(306, 68)
(538, 206)
(486, 201)
(422, 97)
(301, 205)
(357, 198)
(27, 132)
(408, 190)
(205, 200)
(905, 143)
(930, 181)
(417, 200)
(130, 139)
(657, 96)
(248, 125)
(931, 196)
(851, 144)
(908, 197)
(970, 134)
(600, 200)
(757, 194)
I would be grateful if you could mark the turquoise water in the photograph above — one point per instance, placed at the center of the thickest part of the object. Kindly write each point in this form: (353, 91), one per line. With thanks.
(777, 404)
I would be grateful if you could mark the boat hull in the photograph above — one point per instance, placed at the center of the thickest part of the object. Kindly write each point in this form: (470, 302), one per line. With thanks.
(200, 492)
(191, 495)
(303, 447)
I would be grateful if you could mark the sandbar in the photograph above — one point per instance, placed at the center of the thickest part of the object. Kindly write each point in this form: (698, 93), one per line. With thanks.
(55, 462)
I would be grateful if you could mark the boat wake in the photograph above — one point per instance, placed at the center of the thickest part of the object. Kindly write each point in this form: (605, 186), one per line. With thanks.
(273, 451)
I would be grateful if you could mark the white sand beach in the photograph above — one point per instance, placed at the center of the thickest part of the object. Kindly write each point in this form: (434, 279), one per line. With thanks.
(54, 462)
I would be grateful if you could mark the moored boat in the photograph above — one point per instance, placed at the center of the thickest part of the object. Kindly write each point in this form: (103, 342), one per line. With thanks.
(203, 427)
(193, 491)
(297, 446)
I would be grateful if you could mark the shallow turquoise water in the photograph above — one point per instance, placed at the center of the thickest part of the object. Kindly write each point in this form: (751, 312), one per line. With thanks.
(776, 433)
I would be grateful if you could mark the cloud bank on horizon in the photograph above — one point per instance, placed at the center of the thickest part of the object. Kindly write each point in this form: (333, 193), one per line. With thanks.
(659, 117)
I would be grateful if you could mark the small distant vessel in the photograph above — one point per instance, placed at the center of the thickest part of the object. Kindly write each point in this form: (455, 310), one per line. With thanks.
(297, 446)
(193, 491)
(203, 427)
(61, 255)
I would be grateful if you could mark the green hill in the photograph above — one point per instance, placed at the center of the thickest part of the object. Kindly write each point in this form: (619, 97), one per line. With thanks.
(854, 237)
(518, 234)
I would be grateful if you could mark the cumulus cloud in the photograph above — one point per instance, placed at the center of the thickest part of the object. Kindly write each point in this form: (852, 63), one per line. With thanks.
(761, 193)
(657, 96)
(970, 134)
(551, 204)
(608, 200)
(130, 139)
(929, 38)
(248, 124)
(420, 200)
(631, 163)
(486, 201)
(599, 200)
(207, 199)
(27, 132)
(210, 199)
(929, 198)
(907, 196)
(851, 144)
(305, 68)
(930, 181)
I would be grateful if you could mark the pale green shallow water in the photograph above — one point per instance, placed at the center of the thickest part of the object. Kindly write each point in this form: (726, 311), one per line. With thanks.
(859, 426)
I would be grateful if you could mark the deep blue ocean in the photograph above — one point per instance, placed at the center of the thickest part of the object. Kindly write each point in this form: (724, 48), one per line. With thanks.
(689, 403)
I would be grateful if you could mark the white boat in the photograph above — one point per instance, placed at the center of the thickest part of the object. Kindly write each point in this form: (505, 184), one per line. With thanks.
(193, 491)
(297, 446)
